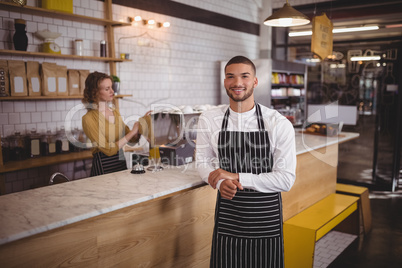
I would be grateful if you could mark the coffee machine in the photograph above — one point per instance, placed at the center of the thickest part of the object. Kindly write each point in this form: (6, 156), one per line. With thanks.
(175, 135)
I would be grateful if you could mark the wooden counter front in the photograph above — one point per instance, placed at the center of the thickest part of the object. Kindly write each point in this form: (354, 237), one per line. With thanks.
(170, 231)
(315, 179)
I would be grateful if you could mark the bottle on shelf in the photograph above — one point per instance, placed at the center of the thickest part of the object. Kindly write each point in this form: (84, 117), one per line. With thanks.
(20, 37)
(298, 115)
(103, 48)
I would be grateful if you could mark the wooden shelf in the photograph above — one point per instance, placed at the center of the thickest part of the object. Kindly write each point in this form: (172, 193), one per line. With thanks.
(37, 11)
(280, 97)
(287, 85)
(44, 161)
(60, 56)
(28, 98)
(59, 15)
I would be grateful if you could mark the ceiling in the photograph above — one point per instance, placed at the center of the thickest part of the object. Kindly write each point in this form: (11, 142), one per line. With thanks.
(354, 13)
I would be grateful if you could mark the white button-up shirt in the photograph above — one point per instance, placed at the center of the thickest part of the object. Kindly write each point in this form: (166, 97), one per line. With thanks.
(282, 143)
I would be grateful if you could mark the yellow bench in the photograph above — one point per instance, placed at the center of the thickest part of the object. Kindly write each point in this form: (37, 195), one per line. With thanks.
(364, 202)
(303, 230)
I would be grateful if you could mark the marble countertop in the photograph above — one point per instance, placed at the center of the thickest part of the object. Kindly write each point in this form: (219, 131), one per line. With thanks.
(38, 210)
(306, 142)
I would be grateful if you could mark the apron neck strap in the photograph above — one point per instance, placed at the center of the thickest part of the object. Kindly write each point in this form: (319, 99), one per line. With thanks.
(260, 120)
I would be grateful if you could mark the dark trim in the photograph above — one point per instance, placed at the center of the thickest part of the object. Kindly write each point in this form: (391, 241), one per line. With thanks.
(344, 9)
(190, 13)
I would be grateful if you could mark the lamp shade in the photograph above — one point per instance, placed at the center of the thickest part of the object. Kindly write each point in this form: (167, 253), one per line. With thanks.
(287, 16)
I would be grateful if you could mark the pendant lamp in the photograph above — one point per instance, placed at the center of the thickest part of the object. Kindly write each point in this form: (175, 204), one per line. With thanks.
(287, 16)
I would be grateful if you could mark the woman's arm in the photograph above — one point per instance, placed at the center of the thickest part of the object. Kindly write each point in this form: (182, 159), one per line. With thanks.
(98, 131)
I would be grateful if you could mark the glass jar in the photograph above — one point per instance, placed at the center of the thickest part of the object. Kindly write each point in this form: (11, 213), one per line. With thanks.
(78, 47)
(34, 140)
(62, 144)
(5, 148)
(74, 143)
(85, 143)
(48, 143)
(17, 147)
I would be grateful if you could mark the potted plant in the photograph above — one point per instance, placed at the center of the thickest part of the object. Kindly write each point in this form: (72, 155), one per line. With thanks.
(116, 84)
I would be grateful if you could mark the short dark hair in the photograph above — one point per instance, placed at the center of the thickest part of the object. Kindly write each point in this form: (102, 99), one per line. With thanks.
(241, 59)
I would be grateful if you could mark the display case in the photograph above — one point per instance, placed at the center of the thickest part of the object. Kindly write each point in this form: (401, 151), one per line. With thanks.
(288, 89)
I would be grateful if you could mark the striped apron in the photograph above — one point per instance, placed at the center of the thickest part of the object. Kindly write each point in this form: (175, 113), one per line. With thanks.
(103, 164)
(248, 228)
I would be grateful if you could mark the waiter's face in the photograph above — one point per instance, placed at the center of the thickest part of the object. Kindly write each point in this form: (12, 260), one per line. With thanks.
(240, 81)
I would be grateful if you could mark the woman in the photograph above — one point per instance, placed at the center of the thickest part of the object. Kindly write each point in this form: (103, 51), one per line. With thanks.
(104, 126)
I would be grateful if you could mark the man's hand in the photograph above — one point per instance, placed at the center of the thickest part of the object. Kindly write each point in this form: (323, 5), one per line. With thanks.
(230, 184)
(220, 174)
(228, 188)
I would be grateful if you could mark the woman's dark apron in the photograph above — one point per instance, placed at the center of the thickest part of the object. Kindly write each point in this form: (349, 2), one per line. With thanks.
(248, 228)
(103, 164)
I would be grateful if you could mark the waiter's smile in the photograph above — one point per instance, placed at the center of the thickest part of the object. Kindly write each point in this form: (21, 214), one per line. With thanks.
(237, 90)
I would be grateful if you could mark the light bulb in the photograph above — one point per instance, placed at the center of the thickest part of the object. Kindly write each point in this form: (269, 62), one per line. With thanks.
(285, 21)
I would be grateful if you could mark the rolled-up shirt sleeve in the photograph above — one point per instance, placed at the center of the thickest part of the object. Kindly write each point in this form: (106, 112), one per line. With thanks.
(283, 174)
(206, 157)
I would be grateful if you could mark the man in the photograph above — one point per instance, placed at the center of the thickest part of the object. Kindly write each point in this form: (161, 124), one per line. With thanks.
(247, 152)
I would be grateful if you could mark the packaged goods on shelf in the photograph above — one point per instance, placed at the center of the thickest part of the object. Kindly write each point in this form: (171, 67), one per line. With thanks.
(18, 78)
(49, 80)
(4, 79)
(33, 77)
(279, 92)
(73, 82)
(274, 78)
(62, 81)
(83, 76)
(294, 92)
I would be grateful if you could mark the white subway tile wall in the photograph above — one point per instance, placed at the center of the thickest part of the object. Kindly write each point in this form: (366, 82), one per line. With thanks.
(178, 65)
(233, 8)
